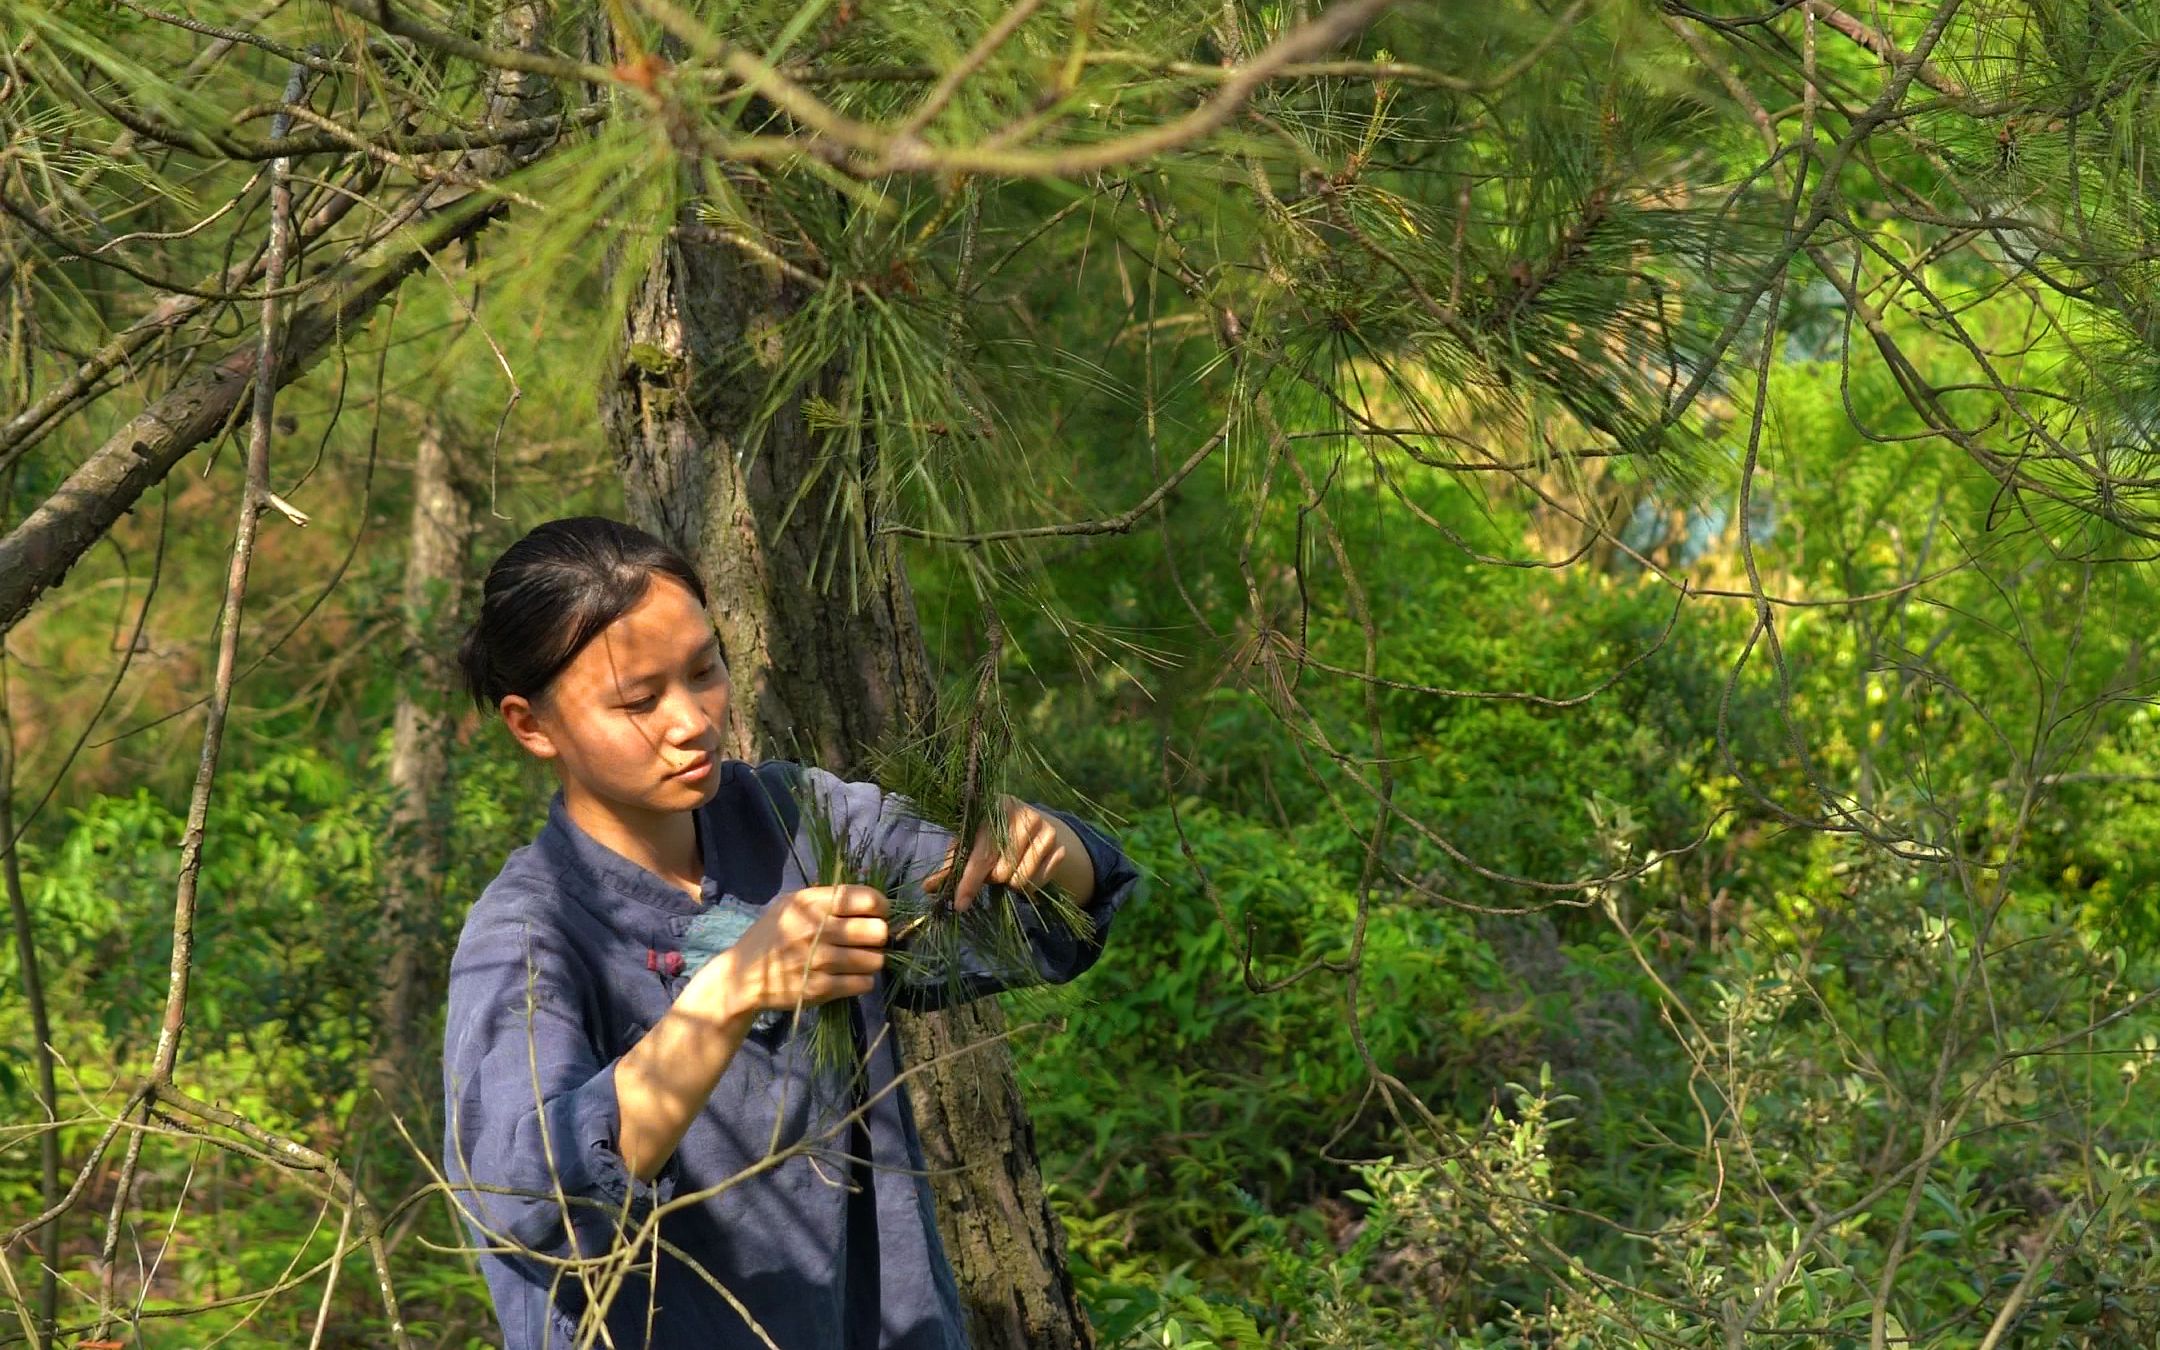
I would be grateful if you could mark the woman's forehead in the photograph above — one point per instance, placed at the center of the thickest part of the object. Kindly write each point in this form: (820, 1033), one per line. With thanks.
(664, 629)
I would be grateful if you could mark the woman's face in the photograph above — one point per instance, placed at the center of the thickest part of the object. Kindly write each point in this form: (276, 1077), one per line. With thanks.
(637, 717)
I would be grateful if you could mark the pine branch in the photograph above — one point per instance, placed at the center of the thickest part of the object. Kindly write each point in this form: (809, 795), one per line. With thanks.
(1880, 43)
(1120, 523)
(36, 554)
(868, 151)
(27, 427)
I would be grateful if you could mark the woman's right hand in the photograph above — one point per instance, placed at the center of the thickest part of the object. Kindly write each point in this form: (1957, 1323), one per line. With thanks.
(809, 947)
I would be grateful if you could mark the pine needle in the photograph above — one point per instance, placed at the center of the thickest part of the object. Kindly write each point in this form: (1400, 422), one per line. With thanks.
(951, 779)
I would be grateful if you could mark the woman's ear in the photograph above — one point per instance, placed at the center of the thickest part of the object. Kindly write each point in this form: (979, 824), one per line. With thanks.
(525, 724)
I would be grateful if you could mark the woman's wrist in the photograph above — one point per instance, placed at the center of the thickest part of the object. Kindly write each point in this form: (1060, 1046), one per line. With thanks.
(718, 993)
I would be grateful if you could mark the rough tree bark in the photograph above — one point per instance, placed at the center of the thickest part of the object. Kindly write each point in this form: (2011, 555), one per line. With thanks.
(813, 681)
(439, 540)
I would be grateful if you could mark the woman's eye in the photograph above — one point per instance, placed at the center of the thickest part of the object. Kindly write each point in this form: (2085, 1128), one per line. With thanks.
(644, 704)
(708, 671)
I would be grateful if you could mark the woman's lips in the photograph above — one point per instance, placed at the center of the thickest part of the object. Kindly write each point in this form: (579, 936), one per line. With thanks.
(694, 773)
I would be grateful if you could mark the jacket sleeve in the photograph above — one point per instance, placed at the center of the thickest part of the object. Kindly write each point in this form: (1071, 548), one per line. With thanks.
(529, 1140)
(879, 825)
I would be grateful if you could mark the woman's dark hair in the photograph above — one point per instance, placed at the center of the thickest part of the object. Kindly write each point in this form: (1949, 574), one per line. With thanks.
(552, 592)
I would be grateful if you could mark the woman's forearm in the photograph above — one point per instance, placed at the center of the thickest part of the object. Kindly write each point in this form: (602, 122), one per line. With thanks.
(808, 947)
(1075, 872)
(664, 1080)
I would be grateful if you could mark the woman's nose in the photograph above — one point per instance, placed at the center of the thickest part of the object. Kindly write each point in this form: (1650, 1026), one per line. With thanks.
(688, 723)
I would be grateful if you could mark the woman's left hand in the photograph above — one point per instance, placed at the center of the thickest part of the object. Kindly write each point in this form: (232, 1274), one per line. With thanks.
(1036, 847)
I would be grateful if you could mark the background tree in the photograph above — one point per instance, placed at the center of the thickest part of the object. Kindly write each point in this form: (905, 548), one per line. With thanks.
(437, 559)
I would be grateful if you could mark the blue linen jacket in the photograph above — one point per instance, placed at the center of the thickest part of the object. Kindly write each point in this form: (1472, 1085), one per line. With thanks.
(566, 958)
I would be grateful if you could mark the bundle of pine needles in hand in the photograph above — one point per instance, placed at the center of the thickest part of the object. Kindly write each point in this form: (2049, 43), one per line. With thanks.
(951, 780)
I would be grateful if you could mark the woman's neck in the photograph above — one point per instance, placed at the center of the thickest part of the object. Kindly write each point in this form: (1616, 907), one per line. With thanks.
(664, 843)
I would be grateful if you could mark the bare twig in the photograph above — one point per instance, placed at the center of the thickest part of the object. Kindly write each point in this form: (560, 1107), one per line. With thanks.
(253, 495)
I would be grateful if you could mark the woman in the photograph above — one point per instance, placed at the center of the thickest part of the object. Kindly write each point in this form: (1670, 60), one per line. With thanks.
(595, 1067)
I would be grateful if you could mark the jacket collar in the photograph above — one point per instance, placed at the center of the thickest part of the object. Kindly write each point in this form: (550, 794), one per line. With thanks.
(621, 890)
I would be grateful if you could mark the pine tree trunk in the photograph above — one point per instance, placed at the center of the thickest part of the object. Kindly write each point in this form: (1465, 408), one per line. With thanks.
(438, 544)
(815, 682)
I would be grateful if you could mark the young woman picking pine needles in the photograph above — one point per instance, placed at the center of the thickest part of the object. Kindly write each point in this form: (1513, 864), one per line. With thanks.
(643, 1137)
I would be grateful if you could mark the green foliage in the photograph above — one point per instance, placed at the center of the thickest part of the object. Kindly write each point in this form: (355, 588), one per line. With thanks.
(287, 848)
(1755, 1018)
(1797, 851)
